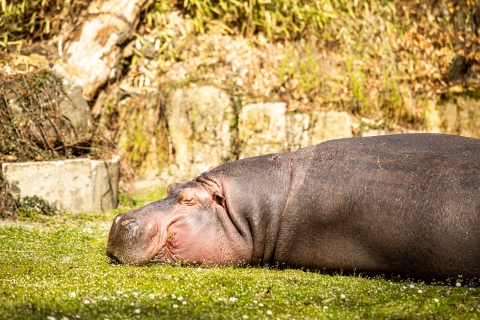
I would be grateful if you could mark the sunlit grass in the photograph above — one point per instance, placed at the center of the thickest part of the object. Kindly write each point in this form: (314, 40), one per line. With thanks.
(58, 269)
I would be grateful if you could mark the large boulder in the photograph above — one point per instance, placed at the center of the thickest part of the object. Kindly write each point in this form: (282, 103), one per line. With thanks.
(267, 128)
(460, 114)
(262, 129)
(140, 131)
(199, 122)
(94, 47)
(43, 110)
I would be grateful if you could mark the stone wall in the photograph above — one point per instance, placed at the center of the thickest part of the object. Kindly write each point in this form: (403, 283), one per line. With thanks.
(205, 130)
(79, 185)
(199, 121)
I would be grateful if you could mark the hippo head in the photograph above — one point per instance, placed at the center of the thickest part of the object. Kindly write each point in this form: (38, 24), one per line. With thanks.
(190, 226)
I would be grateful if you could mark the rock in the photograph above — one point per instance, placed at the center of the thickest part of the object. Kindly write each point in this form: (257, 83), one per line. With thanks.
(93, 49)
(330, 125)
(265, 128)
(262, 129)
(309, 129)
(76, 110)
(80, 185)
(199, 121)
(46, 114)
(141, 133)
(298, 130)
(460, 115)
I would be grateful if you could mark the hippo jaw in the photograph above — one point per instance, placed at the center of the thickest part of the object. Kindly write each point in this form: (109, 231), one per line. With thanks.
(134, 242)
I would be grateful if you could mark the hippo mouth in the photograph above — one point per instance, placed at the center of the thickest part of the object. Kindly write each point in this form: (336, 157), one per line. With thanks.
(164, 256)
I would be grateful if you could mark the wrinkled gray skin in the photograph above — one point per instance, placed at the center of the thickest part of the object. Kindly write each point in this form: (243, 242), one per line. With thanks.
(397, 205)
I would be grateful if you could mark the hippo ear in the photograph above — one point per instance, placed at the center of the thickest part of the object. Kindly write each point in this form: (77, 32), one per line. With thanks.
(171, 188)
(219, 199)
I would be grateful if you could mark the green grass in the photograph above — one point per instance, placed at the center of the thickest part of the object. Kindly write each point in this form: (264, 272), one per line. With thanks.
(58, 268)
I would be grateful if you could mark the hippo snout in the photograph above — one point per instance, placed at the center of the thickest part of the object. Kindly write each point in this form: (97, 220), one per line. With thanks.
(132, 240)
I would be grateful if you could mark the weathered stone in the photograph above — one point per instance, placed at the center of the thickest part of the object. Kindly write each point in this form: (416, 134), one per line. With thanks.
(75, 108)
(80, 185)
(265, 128)
(460, 115)
(199, 121)
(78, 128)
(298, 130)
(432, 117)
(262, 129)
(330, 125)
(50, 117)
(141, 133)
(94, 47)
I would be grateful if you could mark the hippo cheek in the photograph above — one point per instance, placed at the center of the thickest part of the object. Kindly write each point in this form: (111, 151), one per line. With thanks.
(199, 242)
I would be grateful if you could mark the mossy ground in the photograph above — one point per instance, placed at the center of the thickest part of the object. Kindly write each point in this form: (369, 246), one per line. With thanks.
(55, 267)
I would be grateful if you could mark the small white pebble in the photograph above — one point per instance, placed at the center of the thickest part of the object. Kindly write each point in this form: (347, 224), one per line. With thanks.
(342, 296)
(151, 296)
(260, 304)
(175, 306)
(458, 284)
(233, 299)
(72, 294)
(420, 291)
(137, 311)
(86, 302)
(435, 300)
(269, 312)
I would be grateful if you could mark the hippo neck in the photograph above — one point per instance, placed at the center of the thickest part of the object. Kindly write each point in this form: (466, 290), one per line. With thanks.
(255, 191)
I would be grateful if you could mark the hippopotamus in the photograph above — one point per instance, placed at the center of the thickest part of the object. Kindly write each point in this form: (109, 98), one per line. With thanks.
(400, 205)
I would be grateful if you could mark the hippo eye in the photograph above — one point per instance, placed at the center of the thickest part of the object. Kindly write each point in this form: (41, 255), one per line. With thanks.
(188, 202)
(187, 197)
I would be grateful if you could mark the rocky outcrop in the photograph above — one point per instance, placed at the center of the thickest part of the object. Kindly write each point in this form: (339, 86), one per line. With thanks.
(205, 130)
(199, 121)
(460, 114)
(262, 129)
(268, 128)
(40, 111)
(94, 47)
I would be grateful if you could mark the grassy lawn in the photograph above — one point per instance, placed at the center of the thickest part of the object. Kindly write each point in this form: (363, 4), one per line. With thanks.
(55, 267)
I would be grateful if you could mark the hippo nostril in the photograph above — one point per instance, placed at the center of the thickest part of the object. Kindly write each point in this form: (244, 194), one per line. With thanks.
(127, 222)
(114, 259)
